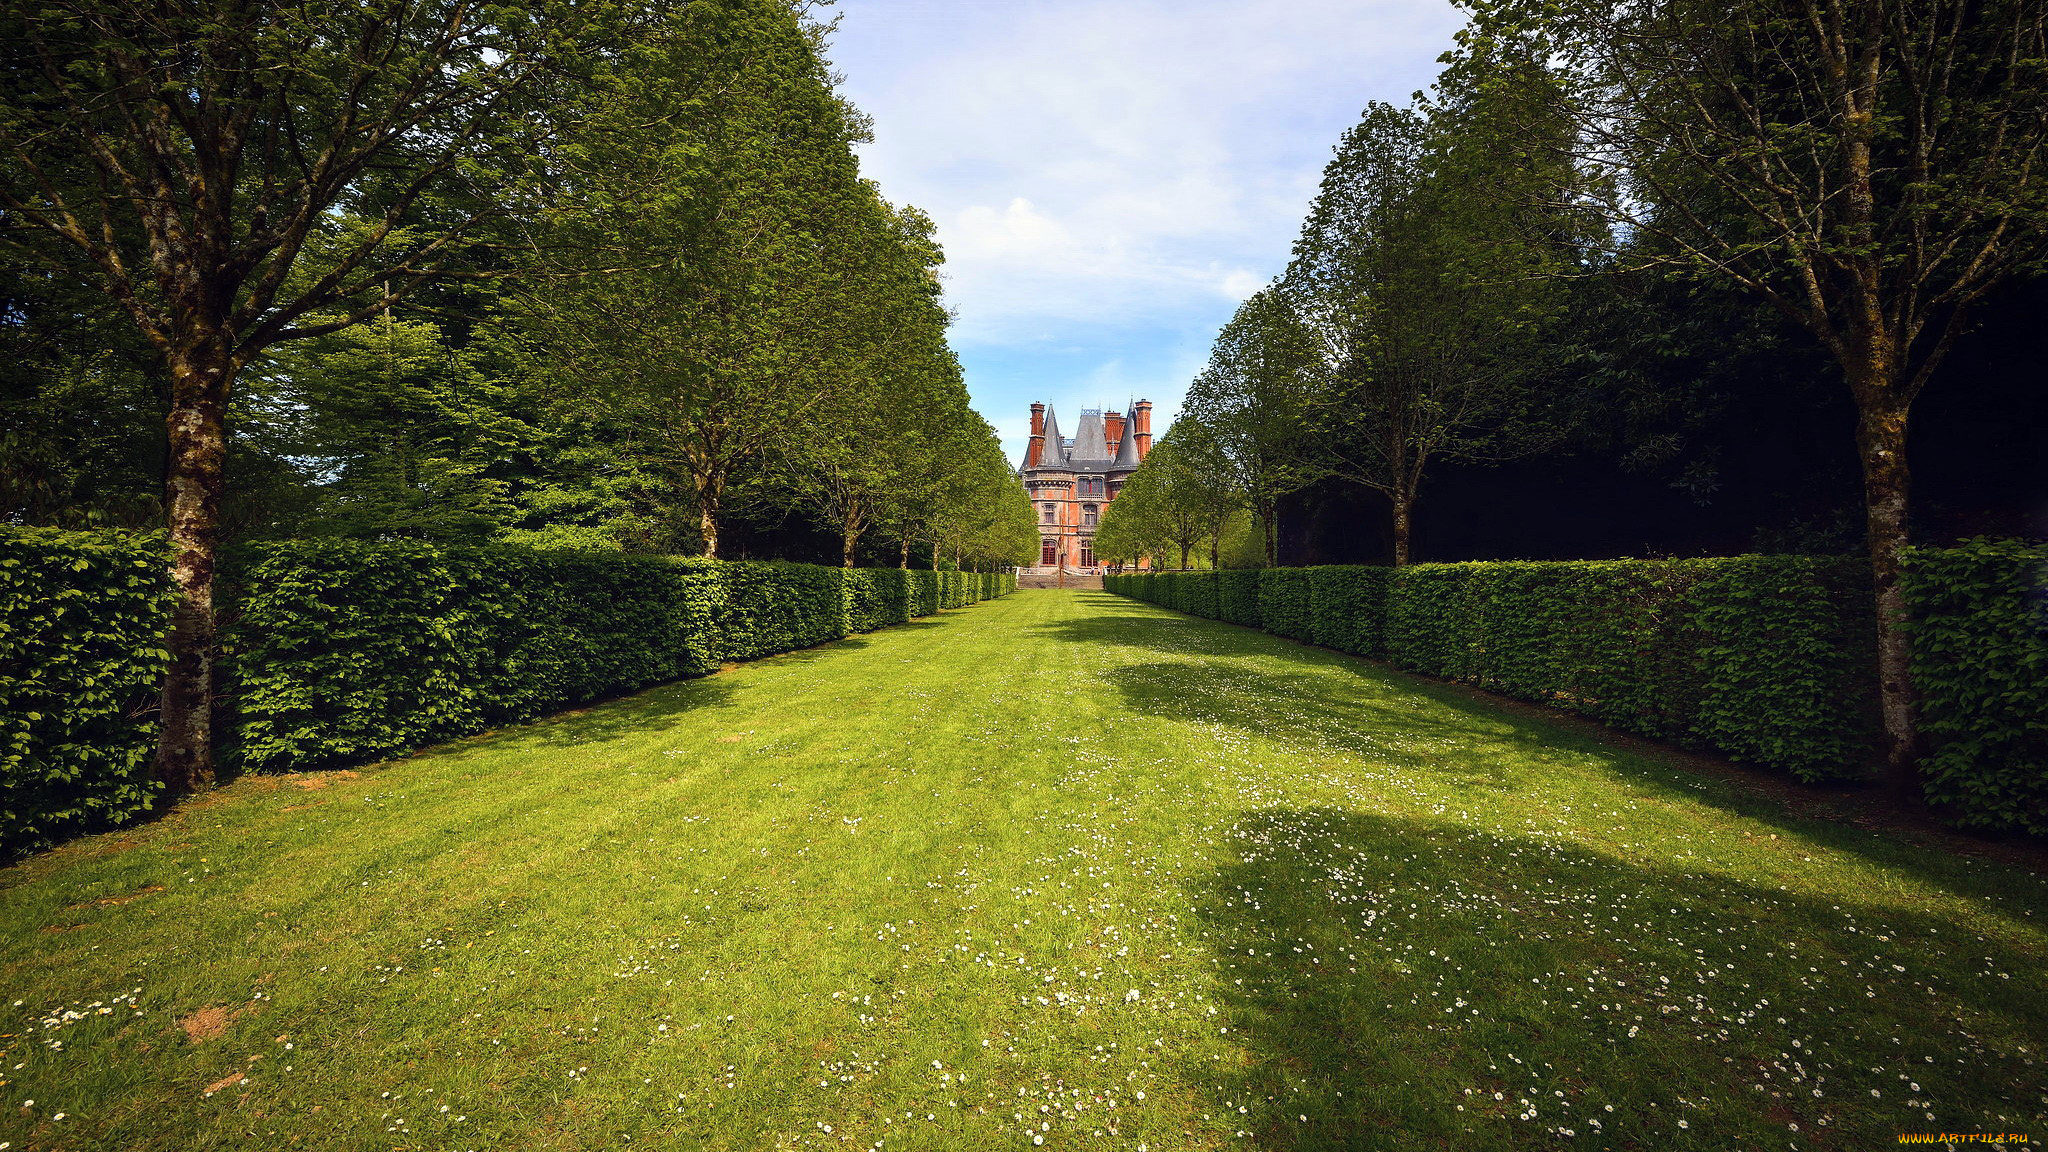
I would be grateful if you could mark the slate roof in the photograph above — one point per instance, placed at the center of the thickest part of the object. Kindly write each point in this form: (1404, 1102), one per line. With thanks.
(1091, 449)
(1055, 455)
(1127, 447)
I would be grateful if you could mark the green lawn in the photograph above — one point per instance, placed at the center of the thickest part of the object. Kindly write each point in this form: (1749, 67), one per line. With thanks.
(1061, 867)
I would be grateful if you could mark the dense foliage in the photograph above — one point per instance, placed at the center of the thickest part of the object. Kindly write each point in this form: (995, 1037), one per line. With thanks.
(1285, 603)
(593, 276)
(1980, 663)
(1752, 656)
(1348, 607)
(81, 652)
(342, 652)
(1636, 238)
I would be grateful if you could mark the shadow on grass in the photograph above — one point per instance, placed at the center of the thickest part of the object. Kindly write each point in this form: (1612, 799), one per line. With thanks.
(1111, 624)
(648, 710)
(1368, 708)
(1305, 711)
(1380, 968)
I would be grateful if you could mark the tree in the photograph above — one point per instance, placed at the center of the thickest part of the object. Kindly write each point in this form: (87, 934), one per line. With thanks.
(872, 444)
(1254, 404)
(403, 432)
(711, 286)
(1128, 534)
(184, 157)
(1871, 168)
(81, 407)
(984, 518)
(1424, 272)
(1170, 502)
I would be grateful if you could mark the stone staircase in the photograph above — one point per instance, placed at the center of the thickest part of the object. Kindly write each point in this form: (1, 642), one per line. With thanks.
(1054, 578)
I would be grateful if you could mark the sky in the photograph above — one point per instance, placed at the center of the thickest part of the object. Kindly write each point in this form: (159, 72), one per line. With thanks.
(1110, 178)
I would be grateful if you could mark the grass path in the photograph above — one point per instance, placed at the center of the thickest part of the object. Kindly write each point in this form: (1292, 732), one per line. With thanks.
(1060, 870)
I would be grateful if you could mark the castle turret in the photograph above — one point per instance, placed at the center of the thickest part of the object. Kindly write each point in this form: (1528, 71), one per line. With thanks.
(1127, 445)
(1141, 419)
(1053, 453)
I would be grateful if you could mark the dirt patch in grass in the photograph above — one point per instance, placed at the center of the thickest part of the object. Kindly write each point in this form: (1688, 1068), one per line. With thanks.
(311, 781)
(227, 1081)
(114, 901)
(209, 1023)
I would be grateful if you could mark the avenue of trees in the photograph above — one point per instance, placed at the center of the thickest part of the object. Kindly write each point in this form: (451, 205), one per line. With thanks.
(1609, 225)
(593, 275)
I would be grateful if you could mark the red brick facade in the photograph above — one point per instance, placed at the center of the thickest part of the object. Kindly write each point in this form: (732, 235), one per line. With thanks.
(1071, 481)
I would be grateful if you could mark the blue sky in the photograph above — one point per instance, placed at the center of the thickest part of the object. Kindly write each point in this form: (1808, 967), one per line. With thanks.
(1110, 177)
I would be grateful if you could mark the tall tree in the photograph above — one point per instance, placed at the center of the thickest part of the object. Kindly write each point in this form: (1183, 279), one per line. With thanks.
(183, 156)
(1255, 405)
(983, 517)
(902, 405)
(1871, 168)
(1422, 272)
(1170, 502)
(712, 286)
(403, 431)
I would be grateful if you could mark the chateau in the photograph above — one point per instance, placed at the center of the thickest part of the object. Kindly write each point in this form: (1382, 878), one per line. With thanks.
(1071, 481)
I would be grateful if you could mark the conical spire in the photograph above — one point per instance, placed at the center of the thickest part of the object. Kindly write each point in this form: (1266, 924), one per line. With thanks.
(1127, 445)
(1055, 454)
(1091, 449)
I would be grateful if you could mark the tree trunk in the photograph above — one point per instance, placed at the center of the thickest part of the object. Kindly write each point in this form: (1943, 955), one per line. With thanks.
(1216, 552)
(1881, 441)
(194, 478)
(1184, 557)
(1404, 512)
(708, 490)
(850, 534)
(1269, 526)
(903, 555)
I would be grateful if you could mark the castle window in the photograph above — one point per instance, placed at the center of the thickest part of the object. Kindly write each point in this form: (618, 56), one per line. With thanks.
(1046, 514)
(1091, 485)
(1087, 515)
(1048, 552)
(1087, 554)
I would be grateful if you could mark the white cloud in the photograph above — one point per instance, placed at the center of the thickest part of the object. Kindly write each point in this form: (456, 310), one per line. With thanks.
(1240, 285)
(1116, 174)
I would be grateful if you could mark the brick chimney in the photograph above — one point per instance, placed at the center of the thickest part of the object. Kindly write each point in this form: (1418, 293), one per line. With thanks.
(1037, 446)
(1113, 429)
(1143, 416)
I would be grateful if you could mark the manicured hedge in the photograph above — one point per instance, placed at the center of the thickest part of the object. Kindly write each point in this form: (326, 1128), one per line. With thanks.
(341, 652)
(1980, 664)
(1284, 603)
(1198, 594)
(772, 607)
(924, 592)
(1762, 658)
(81, 658)
(1237, 596)
(1347, 608)
(876, 598)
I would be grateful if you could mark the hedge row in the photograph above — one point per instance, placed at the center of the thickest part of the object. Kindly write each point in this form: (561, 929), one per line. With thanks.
(1761, 658)
(340, 652)
(81, 657)
(1980, 664)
